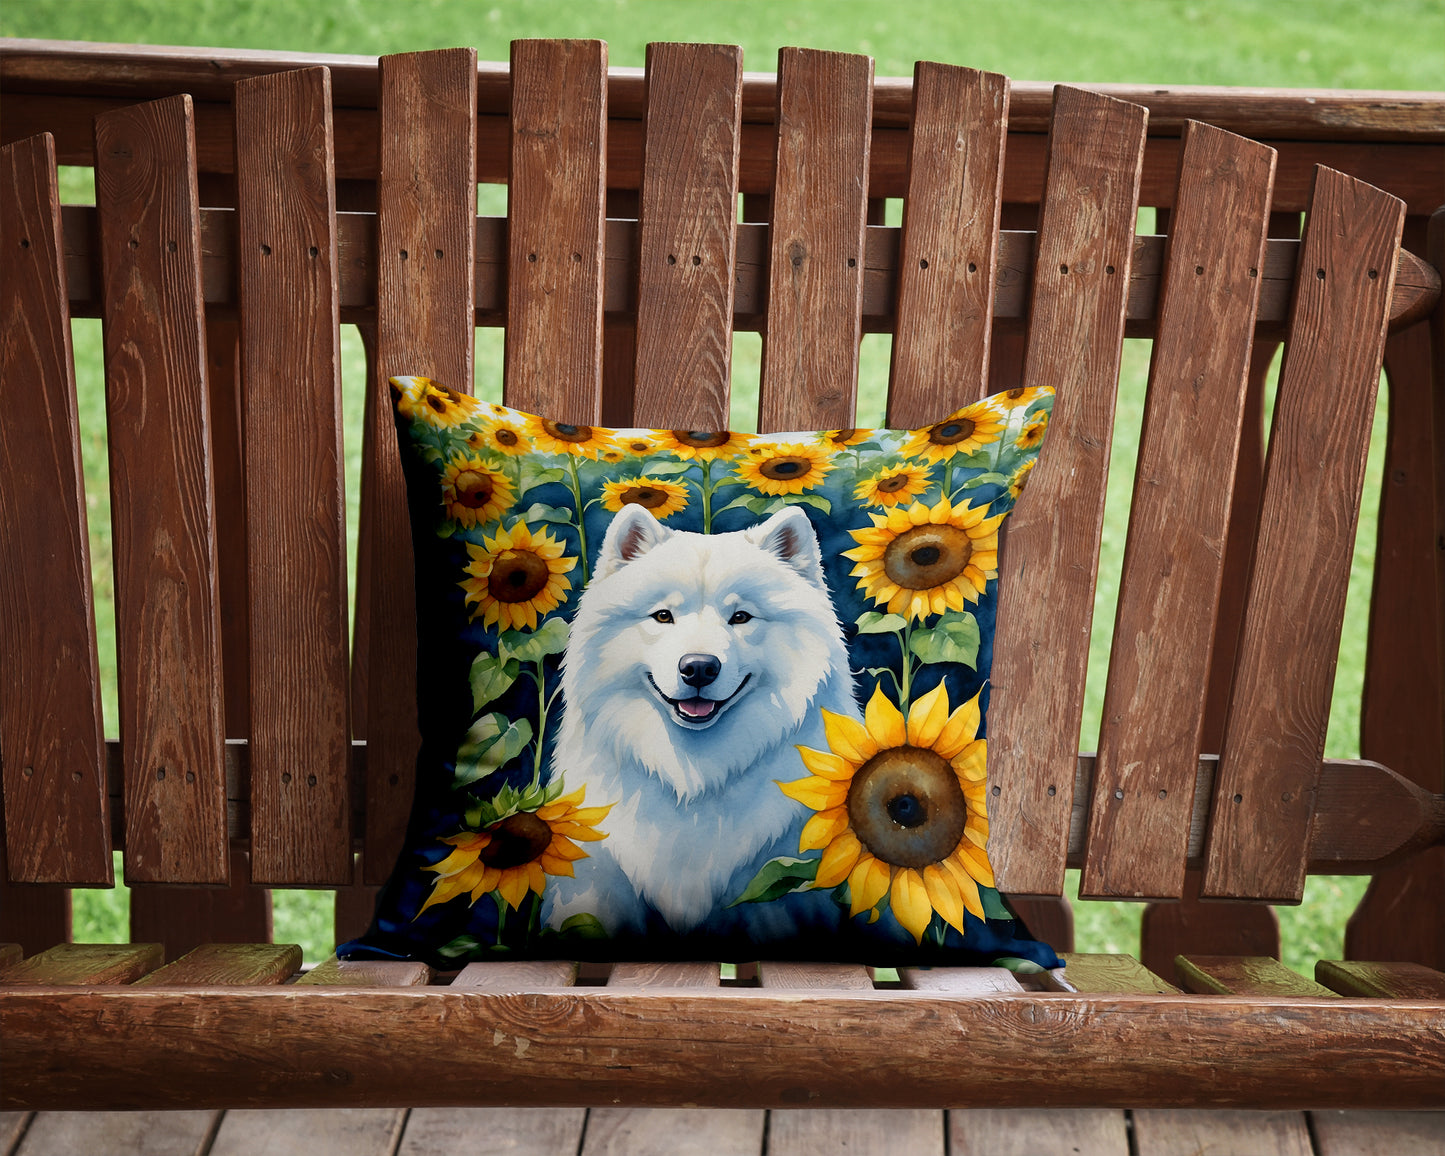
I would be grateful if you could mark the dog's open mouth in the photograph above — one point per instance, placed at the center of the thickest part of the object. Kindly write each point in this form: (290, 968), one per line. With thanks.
(698, 712)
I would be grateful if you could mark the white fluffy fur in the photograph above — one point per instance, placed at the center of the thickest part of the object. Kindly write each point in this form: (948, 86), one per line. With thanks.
(696, 807)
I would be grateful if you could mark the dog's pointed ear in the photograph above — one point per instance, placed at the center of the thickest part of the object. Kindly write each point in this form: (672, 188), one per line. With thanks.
(789, 535)
(631, 534)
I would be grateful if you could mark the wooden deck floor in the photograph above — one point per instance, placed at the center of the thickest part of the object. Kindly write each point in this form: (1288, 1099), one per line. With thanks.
(698, 1132)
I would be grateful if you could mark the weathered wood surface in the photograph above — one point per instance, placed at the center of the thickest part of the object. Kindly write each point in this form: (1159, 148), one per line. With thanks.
(300, 821)
(959, 980)
(1339, 1133)
(57, 824)
(335, 972)
(876, 1132)
(817, 259)
(184, 918)
(85, 964)
(1096, 972)
(426, 225)
(1153, 713)
(1034, 1131)
(1243, 975)
(1191, 924)
(515, 1131)
(1046, 586)
(687, 236)
(729, 1047)
(168, 631)
(948, 251)
(34, 915)
(120, 1133)
(517, 975)
(786, 974)
(1275, 733)
(675, 1132)
(1384, 980)
(327, 1132)
(556, 204)
(1186, 1132)
(232, 964)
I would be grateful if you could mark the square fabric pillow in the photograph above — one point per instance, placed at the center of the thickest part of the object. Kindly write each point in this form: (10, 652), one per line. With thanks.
(694, 695)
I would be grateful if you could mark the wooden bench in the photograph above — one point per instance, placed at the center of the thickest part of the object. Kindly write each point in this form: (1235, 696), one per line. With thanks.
(248, 203)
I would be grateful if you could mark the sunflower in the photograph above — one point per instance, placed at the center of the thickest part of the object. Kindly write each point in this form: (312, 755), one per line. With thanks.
(515, 576)
(517, 853)
(586, 441)
(1020, 478)
(474, 492)
(1018, 398)
(839, 438)
(971, 428)
(422, 399)
(701, 445)
(784, 469)
(900, 809)
(893, 485)
(1033, 432)
(926, 559)
(661, 497)
(501, 437)
(637, 444)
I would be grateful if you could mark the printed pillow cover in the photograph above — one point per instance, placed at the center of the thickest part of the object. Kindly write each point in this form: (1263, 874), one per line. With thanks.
(703, 695)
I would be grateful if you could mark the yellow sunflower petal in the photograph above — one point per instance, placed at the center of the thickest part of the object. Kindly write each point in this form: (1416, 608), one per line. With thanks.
(513, 886)
(838, 860)
(554, 865)
(974, 861)
(536, 876)
(967, 888)
(577, 831)
(823, 828)
(562, 847)
(944, 894)
(909, 900)
(445, 888)
(960, 729)
(867, 884)
(815, 793)
(825, 764)
(926, 717)
(849, 738)
(884, 721)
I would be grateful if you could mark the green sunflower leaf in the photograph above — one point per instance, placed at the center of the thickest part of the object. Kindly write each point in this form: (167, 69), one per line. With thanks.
(979, 460)
(952, 640)
(667, 469)
(583, 925)
(446, 529)
(462, 945)
(1018, 966)
(987, 479)
(817, 501)
(492, 742)
(753, 503)
(549, 638)
(872, 622)
(993, 904)
(491, 677)
(534, 475)
(541, 512)
(861, 446)
(779, 877)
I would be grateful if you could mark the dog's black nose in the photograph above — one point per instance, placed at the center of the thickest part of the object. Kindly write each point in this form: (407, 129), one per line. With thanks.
(698, 670)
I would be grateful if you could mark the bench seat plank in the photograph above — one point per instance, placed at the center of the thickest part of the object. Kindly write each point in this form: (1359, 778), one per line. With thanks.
(1385, 980)
(1243, 975)
(86, 963)
(168, 630)
(517, 975)
(57, 822)
(1033, 1131)
(335, 972)
(295, 502)
(228, 963)
(959, 980)
(1091, 972)
(786, 974)
(185, 917)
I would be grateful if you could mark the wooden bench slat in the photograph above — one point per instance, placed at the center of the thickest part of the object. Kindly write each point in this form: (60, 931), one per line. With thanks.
(1046, 582)
(1175, 1131)
(517, 975)
(183, 918)
(1153, 714)
(57, 824)
(959, 980)
(335, 972)
(77, 964)
(687, 236)
(555, 215)
(789, 974)
(947, 265)
(664, 975)
(1098, 972)
(168, 642)
(1279, 709)
(426, 252)
(1031, 1131)
(228, 963)
(1385, 980)
(816, 259)
(300, 756)
(1243, 975)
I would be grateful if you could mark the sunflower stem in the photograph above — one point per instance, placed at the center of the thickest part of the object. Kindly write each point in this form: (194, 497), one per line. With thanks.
(581, 519)
(905, 643)
(947, 480)
(542, 705)
(706, 489)
(501, 914)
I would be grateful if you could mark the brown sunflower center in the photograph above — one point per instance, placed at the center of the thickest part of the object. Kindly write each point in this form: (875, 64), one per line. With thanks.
(517, 576)
(649, 497)
(507, 437)
(840, 437)
(701, 439)
(786, 469)
(475, 490)
(568, 433)
(905, 806)
(639, 447)
(892, 484)
(517, 839)
(927, 556)
(951, 432)
(439, 402)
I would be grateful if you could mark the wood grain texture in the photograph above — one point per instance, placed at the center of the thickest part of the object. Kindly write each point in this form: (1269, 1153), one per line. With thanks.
(168, 631)
(119, 1133)
(70, 964)
(1275, 733)
(664, 975)
(876, 1132)
(335, 972)
(1191, 925)
(555, 207)
(1032, 1131)
(674, 1132)
(515, 1131)
(57, 823)
(517, 975)
(1243, 975)
(325, 1132)
(34, 915)
(1046, 588)
(300, 740)
(1378, 1133)
(786, 974)
(1097, 972)
(816, 242)
(687, 236)
(949, 247)
(228, 963)
(1185, 1132)
(293, 1046)
(1384, 980)
(183, 918)
(426, 249)
(959, 980)
(1153, 716)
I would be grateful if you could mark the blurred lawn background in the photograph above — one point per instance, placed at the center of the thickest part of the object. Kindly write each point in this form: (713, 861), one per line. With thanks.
(1377, 44)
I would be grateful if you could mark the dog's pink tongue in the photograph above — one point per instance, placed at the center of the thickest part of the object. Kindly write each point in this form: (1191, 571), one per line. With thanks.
(697, 707)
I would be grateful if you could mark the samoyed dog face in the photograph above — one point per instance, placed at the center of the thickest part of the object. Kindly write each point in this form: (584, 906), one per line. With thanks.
(694, 665)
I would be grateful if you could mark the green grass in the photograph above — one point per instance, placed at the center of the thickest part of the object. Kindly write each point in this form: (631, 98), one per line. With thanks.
(1328, 43)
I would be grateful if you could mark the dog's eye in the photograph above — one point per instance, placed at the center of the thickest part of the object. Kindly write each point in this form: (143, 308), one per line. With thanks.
(661, 615)
(739, 618)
